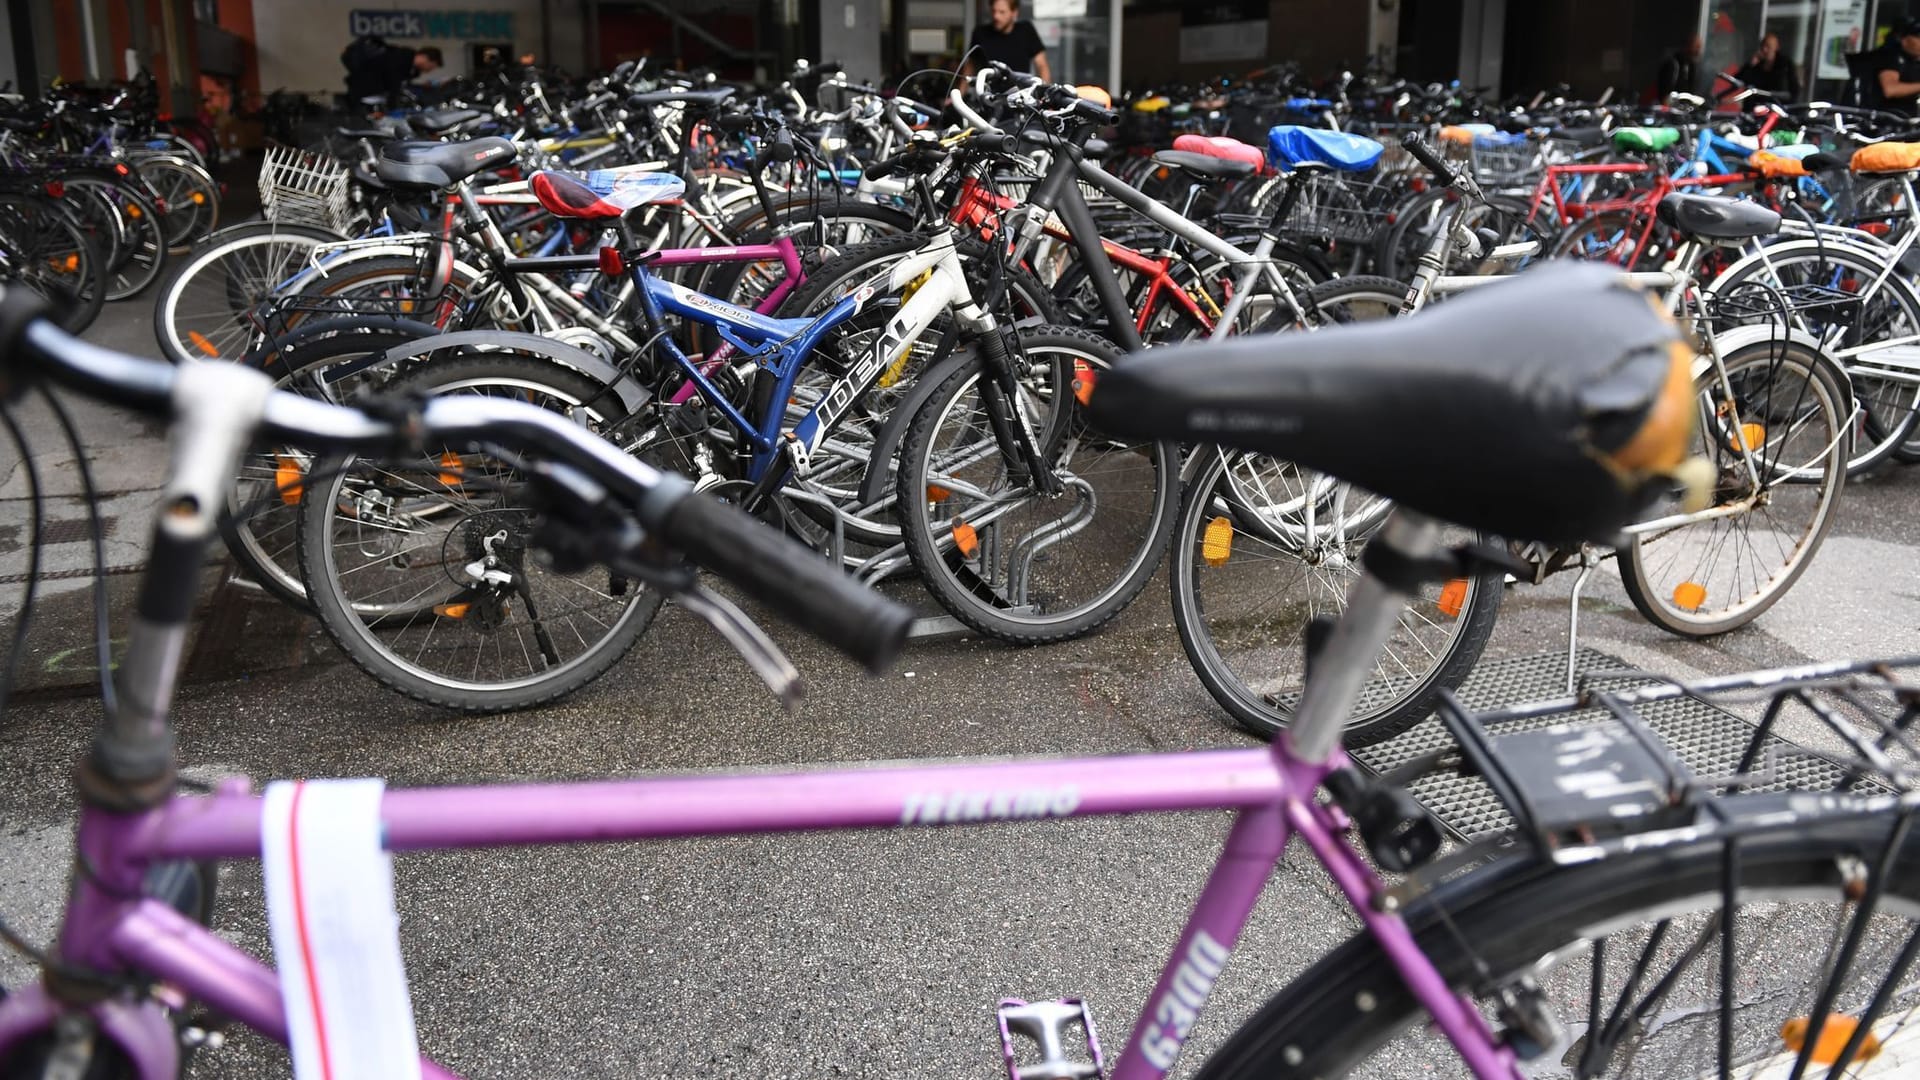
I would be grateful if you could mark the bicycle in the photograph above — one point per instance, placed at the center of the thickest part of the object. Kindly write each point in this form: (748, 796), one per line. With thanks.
(1680, 871)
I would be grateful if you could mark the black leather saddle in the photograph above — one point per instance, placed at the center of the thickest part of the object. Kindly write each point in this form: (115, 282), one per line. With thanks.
(1710, 217)
(1204, 166)
(440, 165)
(1514, 409)
(441, 121)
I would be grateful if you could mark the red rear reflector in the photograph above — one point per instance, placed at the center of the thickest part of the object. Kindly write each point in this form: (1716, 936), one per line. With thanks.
(611, 264)
(56, 189)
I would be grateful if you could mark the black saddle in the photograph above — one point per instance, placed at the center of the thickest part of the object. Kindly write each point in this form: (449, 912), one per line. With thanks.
(1585, 137)
(440, 165)
(1516, 409)
(441, 121)
(698, 99)
(1710, 217)
(1204, 166)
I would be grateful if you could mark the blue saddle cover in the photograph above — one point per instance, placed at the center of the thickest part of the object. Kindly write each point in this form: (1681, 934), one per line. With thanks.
(1290, 144)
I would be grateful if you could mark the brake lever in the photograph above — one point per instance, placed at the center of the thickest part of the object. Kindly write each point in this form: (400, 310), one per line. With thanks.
(747, 639)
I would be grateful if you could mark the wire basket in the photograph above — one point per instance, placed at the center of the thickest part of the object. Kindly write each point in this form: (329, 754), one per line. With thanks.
(1504, 161)
(1345, 208)
(303, 188)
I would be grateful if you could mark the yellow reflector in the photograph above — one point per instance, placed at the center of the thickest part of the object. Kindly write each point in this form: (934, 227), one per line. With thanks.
(1689, 595)
(1083, 380)
(936, 493)
(1753, 435)
(450, 467)
(68, 265)
(134, 211)
(200, 342)
(1834, 1036)
(1217, 544)
(199, 198)
(1453, 598)
(966, 539)
(286, 477)
(451, 611)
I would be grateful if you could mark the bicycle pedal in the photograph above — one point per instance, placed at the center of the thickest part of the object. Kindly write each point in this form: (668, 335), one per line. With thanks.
(1047, 1024)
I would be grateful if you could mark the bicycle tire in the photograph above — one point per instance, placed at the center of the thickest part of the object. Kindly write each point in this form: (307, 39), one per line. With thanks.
(1220, 518)
(191, 197)
(1504, 917)
(200, 313)
(1890, 408)
(263, 542)
(447, 602)
(1680, 607)
(56, 258)
(1002, 602)
(141, 248)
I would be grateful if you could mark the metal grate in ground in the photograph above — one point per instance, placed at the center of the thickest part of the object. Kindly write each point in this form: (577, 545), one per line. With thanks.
(1708, 739)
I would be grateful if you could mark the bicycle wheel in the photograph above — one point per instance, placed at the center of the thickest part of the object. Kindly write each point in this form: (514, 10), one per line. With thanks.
(201, 313)
(260, 526)
(44, 249)
(1609, 237)
(141, 246)
(422, 571)
(1003, 556)
(1788, 406)
(190, 197)
(1632, 939)
(1871, 306)
(1261, 549)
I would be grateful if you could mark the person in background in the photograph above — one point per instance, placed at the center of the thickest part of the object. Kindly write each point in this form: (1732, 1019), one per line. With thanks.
(1009, 40)
(1894, 84)
(376, 69)
(1770, 71)
(1679, 72)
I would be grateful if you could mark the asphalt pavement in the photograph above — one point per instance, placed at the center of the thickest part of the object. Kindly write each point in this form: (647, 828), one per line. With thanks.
(856, 954)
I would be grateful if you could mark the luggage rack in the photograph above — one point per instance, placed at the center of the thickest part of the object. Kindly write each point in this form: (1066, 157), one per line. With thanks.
(1820, 301)
(1630, 752)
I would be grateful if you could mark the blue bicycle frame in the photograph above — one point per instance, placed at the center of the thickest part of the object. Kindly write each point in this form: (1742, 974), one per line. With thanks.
(781, 346)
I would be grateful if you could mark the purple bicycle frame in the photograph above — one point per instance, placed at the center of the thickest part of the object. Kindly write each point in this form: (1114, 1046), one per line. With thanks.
(781, 249)
(109, 928)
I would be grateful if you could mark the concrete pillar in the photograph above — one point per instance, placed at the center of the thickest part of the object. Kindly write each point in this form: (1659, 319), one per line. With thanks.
(850, 37)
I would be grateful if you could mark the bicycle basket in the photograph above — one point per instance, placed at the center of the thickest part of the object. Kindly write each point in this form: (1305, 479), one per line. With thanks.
(304, 188)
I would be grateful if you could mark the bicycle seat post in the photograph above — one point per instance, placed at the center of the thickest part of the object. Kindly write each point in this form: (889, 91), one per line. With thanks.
(1393, 562)
(217, 409)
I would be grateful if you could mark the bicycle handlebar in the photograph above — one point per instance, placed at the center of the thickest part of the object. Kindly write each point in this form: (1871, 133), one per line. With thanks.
(1424, 154)
(806, 589)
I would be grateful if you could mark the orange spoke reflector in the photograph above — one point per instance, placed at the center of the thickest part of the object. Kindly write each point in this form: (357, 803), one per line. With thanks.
(1217, 544)
(200, 342)
(1753, 435)
(68, 265)
(199, 198)
(966, 539)
(287, 474)
(1689, 595)
(134, 211)
(450, 468)
(1834, 1036)
(1083, 380)
(1453, 598)
(452, 611)
(937, 494)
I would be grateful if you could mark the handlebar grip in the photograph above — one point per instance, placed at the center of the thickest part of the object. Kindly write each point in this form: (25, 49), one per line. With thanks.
(807, 590)
(1424, 154)
(884, 168)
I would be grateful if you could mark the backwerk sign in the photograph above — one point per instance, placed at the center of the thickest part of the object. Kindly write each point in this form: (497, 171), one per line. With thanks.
(438, 25)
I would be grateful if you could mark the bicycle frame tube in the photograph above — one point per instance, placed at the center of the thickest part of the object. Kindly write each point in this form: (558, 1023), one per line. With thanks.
(1272, 791)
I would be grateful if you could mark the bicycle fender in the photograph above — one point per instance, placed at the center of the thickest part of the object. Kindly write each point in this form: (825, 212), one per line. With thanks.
(1740, 337)
(886, 444)
(632, 395)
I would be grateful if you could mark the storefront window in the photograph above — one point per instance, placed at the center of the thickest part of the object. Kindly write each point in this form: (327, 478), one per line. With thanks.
(1078, 36)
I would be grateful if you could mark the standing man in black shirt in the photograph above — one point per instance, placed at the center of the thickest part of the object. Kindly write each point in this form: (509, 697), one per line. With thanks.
(1896, 71)
(1010, 40)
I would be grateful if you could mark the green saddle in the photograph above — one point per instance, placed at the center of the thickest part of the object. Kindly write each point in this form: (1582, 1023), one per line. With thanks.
(1645, 140)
